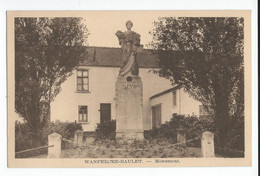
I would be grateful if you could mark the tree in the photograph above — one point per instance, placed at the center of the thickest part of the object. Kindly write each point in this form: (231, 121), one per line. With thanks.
(46, 52)
(205, 56)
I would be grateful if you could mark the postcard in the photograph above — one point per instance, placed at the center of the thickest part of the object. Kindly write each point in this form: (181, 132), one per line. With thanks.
(129, 88)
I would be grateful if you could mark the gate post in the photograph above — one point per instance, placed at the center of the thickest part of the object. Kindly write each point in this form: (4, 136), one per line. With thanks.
(55, 140)
(78, 138)
(181, 136)
(207, 145)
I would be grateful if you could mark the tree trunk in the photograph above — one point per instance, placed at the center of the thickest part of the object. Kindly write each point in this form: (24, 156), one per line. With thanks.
(222, 120)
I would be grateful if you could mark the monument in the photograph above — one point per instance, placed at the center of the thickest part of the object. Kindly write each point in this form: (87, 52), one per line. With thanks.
(129, 88)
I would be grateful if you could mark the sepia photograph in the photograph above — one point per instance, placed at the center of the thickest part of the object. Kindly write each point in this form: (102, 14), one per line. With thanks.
(129, 88)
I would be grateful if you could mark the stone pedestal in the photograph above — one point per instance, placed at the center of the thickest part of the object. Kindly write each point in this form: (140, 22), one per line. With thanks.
(129, 108)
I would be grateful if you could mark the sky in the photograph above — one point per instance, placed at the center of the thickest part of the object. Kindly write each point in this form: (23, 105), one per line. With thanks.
(103, 26)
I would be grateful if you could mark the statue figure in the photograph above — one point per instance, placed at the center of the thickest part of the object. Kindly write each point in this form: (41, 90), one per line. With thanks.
(130, 44)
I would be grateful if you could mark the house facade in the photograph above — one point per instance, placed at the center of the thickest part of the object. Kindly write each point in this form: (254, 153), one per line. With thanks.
(173, 101)
(88, 95)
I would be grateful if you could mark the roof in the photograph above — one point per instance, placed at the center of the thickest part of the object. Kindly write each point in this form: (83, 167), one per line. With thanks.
(165, 92)
(112, 57)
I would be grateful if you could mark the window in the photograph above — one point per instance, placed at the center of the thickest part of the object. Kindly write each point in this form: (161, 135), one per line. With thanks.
(82, 80)
(174, 97)
(83, 114)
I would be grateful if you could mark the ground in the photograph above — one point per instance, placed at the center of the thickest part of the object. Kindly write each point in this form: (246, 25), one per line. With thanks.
(136, 149)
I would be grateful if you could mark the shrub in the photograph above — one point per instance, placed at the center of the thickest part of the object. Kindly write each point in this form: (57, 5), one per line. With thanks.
(25, 138)
(106, 130)
(191, 124)
(71, 128)
(65, 129)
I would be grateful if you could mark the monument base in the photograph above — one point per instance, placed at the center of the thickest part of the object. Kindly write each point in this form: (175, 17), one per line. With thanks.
(129, 108)
(130, 135)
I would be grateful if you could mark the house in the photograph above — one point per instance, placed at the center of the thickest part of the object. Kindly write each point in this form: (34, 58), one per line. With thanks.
(173, 101)
(88, 95)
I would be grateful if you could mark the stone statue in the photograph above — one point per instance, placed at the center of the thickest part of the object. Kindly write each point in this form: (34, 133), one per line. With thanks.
(129, 89)
(130, 43)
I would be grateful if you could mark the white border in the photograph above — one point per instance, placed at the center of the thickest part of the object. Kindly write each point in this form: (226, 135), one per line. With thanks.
(128, 5)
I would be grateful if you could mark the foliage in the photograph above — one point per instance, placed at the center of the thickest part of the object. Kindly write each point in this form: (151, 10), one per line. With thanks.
(26, 139)
(65, 129)
(205, 56)
(23, 138)
(191, 124)
(106, 130)
(71, 128)
(236, 137)
(46, 51)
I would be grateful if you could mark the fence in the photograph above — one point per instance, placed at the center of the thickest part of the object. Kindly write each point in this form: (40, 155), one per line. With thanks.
(54, 143)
